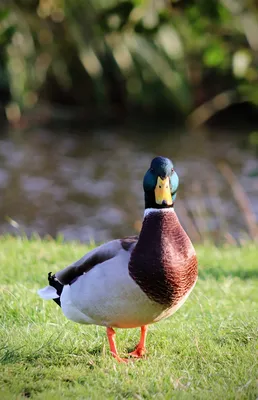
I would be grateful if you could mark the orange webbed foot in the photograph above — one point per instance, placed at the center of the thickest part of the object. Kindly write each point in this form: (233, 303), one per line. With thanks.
(139, 352)
(140, 349)
(120, 359)
(112, 344)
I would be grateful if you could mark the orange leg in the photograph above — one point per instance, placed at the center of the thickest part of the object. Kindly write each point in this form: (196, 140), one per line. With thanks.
(111, 338)
(140, 349)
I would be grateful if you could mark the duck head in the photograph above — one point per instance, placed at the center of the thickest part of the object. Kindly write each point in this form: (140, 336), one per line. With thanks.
(160, 184)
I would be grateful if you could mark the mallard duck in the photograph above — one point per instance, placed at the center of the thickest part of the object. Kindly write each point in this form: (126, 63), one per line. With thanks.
(135, 281)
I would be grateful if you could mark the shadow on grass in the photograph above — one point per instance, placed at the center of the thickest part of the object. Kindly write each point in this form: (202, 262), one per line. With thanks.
(96, 351)
(10, 356)
(220, 273)
(13, 356)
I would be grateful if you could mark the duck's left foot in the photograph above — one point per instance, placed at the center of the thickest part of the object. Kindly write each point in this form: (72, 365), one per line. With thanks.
(140, 349)
(139, 352)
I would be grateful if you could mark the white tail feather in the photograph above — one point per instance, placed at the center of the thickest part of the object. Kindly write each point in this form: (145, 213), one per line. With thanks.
(48, 293)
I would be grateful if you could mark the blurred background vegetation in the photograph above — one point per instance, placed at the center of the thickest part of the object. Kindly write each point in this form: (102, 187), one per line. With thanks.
(109, 58)
(86, 81)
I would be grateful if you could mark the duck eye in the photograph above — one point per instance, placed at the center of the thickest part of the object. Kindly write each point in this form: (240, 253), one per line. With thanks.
(172, 170)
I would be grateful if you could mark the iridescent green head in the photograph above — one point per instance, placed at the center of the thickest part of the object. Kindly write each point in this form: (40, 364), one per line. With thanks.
(160, 184)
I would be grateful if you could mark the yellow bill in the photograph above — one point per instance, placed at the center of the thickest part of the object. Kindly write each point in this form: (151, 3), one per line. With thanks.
(162, 192)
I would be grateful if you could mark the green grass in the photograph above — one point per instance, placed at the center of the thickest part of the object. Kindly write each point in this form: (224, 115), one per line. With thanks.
(207, 350)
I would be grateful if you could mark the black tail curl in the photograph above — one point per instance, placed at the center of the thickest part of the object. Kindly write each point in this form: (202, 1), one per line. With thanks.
(57, 285)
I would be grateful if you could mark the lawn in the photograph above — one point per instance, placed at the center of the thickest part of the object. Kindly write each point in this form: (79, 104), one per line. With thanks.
(207, 350)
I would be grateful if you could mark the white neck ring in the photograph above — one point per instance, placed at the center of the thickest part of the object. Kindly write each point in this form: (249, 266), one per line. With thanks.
(148, 211)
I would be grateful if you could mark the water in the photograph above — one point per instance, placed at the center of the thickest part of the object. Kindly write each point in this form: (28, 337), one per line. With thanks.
(89, 187)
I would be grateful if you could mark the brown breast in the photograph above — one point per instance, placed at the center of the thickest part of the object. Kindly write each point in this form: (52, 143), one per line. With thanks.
(163, 262)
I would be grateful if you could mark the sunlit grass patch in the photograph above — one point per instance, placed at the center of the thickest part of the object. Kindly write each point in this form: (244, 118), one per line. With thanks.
(207, 350)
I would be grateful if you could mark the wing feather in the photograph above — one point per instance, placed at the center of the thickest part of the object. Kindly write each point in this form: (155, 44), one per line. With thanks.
(86, 263)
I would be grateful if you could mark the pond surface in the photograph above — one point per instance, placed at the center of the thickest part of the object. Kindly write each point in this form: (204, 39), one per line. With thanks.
(89, 186)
